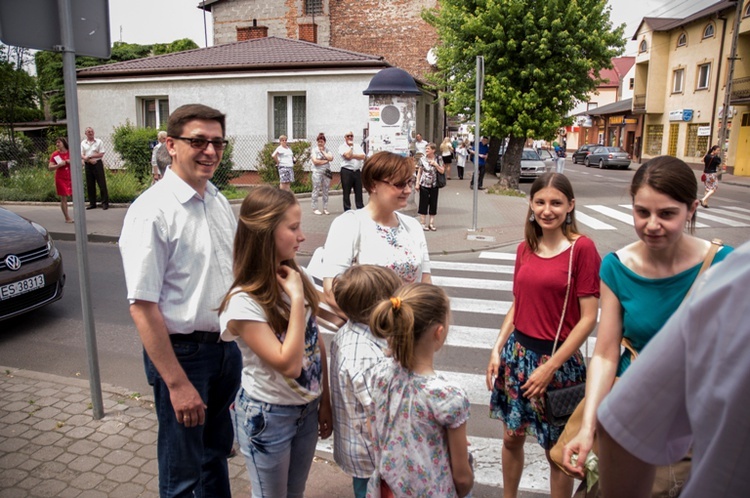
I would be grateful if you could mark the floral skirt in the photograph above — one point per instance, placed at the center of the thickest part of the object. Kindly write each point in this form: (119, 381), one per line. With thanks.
(527, 415)
(712, 181)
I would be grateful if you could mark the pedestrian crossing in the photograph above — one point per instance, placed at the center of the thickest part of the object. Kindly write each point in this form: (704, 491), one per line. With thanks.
(480, 295)
(601, 217)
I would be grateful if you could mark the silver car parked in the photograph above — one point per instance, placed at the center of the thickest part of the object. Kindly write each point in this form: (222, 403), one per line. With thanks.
(532, 165)
(608, 157)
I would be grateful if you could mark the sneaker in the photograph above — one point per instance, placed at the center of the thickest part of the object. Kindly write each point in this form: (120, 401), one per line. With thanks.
(325, 211)
(317, 211)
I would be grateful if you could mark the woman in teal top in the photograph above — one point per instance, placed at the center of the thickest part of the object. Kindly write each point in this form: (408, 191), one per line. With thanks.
(643, 283)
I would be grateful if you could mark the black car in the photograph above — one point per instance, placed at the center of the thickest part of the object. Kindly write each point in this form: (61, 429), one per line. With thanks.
(583, 151)
(31, 267)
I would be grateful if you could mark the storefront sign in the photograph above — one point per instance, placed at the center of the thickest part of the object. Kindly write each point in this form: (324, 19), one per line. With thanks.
(614, 120)
(704, 131)
(681, 115)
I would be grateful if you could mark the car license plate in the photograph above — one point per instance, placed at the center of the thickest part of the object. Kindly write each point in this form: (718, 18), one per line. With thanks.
(21, 287)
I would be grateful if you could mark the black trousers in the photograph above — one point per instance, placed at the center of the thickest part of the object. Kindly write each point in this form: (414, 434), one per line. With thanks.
(351, 180)
(428, 199)
(95, 173)
(481, 176)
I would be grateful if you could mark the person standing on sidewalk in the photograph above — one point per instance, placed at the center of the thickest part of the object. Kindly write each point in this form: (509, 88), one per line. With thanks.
(482, 150)
(352, 157)
(59, 162)
(284, 158)
(176, 247)
(462, 153)
(560, 159)
(429, 166)
(321, 175)
(92, 153)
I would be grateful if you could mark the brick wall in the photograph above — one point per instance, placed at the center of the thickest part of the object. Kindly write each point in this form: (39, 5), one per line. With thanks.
(251, 33)
(393, 29)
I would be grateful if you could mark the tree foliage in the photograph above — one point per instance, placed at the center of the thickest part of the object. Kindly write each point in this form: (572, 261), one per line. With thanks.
(18, 98)
(134, 146)
(539, 60)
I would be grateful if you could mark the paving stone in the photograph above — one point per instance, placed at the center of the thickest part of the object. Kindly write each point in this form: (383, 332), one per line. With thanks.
(118, 457)
(77, 409)
(29, 483)
(13, 493)
(47, 438)
(17, 396)
(80, 432)
(145, 437)
(11, 445)
(66, 458)
(48, 453)
(99, 452)
(93, 493)
(147, 452)
(137, 461)
(84, 463)
(31, 433)
(49, 470)
(9, 477)
(122, 473)
(50, 487)
(15, 406)
(141, 424)
(69, 492)
(114, 442)
(29, 464)
(46, 413)
(47, 399)
(12, 460)
(82, 447)
(126, 490)
(11, 424)
(79, 420)
(103, 469)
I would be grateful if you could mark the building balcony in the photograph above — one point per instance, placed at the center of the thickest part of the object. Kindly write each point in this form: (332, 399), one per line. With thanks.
(639, 103)
(740, 91)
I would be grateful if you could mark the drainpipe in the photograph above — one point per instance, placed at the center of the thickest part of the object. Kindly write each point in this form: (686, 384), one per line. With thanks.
(718, 71)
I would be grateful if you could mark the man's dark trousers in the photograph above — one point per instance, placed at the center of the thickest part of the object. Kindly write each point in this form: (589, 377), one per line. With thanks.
(95, 173)
(351, 180)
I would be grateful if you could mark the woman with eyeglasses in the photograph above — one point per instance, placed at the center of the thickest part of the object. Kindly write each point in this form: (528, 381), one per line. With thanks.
(429, 167)
(378, 234)
(284, 159)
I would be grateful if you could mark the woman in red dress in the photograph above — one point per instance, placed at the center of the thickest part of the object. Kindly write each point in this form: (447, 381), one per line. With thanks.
(59, 162)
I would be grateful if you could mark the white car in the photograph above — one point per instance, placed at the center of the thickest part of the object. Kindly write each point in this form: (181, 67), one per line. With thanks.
(532, 165)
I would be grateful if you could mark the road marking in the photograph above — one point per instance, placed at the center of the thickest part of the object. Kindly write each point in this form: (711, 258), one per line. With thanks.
(728, 213)
(476, 267)
(723, 221)
(737, 208)
(506, 256)
(612, 213)
(485, 306)
(472, 283)
(592, 222)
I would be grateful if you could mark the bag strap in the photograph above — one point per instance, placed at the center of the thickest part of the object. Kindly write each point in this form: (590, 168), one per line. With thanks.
(567, 293)
(716, 244)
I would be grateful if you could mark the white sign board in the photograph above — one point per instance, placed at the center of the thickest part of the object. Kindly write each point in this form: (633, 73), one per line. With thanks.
(704, 131)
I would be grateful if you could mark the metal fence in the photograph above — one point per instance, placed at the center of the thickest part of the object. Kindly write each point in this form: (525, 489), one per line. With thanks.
(24, 175)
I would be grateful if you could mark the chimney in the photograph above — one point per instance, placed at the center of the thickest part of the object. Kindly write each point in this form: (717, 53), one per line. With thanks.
(308, 32)
(252, 32)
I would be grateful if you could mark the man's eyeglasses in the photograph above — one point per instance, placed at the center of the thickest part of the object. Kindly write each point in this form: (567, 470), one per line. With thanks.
(401, 185)
(348, 136)
(202, 143)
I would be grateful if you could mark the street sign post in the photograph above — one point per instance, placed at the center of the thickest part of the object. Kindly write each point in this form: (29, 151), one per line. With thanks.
(82, 28)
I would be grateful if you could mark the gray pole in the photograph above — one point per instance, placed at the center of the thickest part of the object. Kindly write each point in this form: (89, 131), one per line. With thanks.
(728, 90)
(74, 140)
(477, 137)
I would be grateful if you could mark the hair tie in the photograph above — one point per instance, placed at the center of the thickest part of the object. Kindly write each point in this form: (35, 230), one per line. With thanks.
(396, 303)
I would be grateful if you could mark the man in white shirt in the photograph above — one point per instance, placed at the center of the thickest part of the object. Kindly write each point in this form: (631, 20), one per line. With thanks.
(420, 145)
(176, 246)
(92, 153)
(689, 388)
(352, 158)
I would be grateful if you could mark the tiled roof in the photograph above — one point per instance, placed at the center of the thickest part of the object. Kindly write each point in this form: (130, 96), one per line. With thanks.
(623, 65)
(265, 54)
(655, 23)
(667, 24)
(614, 108)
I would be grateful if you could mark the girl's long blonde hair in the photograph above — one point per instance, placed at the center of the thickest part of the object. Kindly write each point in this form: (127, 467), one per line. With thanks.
(255, 262)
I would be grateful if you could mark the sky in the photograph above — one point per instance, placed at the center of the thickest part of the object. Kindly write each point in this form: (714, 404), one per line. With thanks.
(163, 21)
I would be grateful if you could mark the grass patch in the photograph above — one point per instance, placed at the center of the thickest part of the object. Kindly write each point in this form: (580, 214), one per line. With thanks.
(509, 192)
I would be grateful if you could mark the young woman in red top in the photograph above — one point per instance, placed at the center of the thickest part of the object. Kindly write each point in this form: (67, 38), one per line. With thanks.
(522, 367)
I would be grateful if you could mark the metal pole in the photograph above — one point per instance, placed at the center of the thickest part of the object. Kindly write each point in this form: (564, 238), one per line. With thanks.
(728, 90)
(74, 140)
(477, 137)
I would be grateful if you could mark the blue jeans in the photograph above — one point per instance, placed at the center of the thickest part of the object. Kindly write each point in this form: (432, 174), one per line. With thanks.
(193, 461)
(278, 442)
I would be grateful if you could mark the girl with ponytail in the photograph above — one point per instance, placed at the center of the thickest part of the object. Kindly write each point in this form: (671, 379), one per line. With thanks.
(416, 417)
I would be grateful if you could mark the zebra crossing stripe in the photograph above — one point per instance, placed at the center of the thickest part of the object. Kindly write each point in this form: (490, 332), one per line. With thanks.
(728, 213)
(506, 256)
(472, 283)
(723, 221)
(737, 208)
(475, 267)
(612, 213)
(485, 306)
(592, 222)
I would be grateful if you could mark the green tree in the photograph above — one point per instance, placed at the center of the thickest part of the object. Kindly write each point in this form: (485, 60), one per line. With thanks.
(176, 46)
(134, 146)
(18, 98)
(539, 60)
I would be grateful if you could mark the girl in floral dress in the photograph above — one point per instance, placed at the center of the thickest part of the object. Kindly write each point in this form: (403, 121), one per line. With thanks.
(416, 417)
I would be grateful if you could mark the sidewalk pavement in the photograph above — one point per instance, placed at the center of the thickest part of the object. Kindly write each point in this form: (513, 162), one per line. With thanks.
(50, 445)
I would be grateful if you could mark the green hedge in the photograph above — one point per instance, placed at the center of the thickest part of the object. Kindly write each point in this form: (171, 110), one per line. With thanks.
(269, 173)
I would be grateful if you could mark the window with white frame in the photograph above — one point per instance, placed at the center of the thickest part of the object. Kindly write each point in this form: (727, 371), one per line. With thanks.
(643, 46)
(678, 79)
(591, 105)
(682, 40)
(154, 112)
(704, 76)
(708, 31)
(289, 116)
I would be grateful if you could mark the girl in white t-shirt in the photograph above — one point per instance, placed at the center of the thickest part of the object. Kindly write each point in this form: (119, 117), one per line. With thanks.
(284, 403)
(417, 418)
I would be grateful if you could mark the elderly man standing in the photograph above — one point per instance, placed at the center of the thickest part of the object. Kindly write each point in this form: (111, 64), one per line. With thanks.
(176, 247)
(352, 158)
(92, 153)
